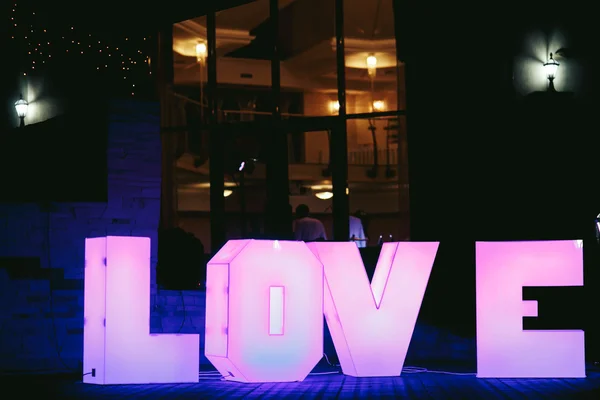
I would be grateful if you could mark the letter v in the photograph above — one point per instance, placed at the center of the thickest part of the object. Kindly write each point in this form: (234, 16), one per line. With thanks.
(371, 325)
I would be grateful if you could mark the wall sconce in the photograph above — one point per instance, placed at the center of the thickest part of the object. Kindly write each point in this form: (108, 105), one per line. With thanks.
(227, 192)
(201, 52)
(334, 106)
(372, 66)
(378, 105)
(550, 68)
(21, 106)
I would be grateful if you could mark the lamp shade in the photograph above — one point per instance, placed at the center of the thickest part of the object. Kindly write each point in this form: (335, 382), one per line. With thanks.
(21, 106)
(551, 67)
(324, 195)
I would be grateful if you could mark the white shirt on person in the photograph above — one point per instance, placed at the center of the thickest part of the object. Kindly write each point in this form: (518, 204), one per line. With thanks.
(309, 229)
(357, 232)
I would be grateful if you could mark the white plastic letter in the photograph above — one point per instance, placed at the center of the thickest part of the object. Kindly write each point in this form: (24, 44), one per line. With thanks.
(117, 345)
(371, 325)
(504, 349)
(264, 311)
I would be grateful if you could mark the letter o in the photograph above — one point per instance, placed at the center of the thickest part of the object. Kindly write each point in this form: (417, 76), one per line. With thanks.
(264, 311)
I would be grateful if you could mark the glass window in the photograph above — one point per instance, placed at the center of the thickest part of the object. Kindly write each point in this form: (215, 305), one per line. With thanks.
(376, 143)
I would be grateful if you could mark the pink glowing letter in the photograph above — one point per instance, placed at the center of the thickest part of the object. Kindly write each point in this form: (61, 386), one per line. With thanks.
(371, 325)
(117, 345)
(264, 311)
(504, 349)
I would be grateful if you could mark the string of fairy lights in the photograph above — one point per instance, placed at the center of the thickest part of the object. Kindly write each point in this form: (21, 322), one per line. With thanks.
(43, 44)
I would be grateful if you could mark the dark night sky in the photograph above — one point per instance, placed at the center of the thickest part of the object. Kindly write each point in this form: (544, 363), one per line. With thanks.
(72, 47)
(125, 16)
(80, 35)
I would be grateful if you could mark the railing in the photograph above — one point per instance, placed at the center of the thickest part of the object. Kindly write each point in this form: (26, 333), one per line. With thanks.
(367, 156)
(364, 156)
(189, 112)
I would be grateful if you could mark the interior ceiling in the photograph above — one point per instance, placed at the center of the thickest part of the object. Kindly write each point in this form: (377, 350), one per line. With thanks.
(372, 19)
(306, 23)
(306, 33)
(249, 16)
(245, 17)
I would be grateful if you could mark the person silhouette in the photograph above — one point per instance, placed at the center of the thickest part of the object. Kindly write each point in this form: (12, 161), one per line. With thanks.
(306, 228)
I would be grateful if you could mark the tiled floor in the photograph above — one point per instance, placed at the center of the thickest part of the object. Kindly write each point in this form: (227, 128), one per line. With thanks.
(423, 385)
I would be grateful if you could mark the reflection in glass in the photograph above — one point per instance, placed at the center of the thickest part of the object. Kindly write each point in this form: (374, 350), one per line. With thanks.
(377, 147)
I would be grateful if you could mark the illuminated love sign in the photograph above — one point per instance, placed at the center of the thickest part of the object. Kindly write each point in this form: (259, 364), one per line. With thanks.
(264, 302)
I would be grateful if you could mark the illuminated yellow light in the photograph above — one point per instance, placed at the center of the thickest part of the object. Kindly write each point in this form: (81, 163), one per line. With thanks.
(201, 51)
(372, 66)
(378, 105)
(324, 195)
(372, 62)
(334, 106)
(324, 192)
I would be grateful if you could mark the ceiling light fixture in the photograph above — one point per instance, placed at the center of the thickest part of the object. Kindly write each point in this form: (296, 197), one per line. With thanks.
(372, 66)
(324, 195)
(378, 105)
(334, 106)
(201, 51)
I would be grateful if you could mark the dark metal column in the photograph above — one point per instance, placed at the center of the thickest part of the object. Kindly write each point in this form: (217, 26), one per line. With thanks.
(278, 214)
(163, 67)
(339, 140)
(403, 164)
(400, 37)
(217, 144)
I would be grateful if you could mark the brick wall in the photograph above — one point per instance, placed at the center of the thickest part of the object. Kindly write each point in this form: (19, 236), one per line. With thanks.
(42, 249)
(175, 311)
